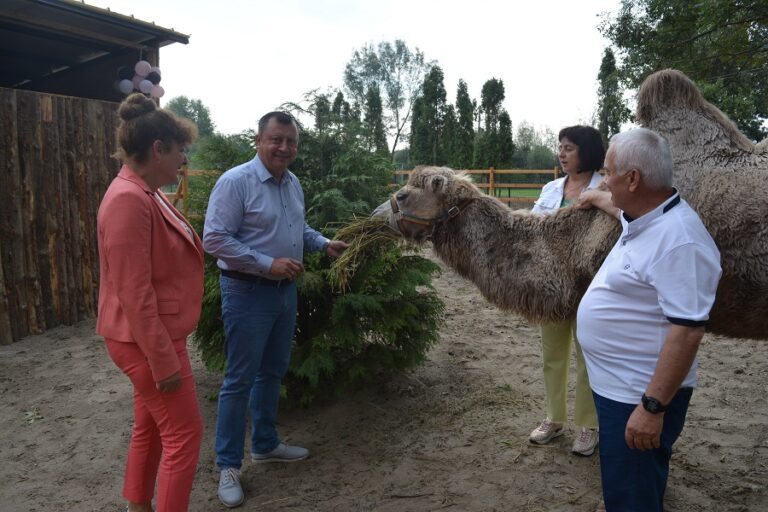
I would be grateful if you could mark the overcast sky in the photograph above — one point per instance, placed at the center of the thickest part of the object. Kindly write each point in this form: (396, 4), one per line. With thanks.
(246, 57)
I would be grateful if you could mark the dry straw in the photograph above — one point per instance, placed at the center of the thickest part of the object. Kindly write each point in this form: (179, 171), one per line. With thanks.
(368, 237)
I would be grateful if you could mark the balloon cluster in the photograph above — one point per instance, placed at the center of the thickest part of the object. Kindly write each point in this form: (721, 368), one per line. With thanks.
(142, 77)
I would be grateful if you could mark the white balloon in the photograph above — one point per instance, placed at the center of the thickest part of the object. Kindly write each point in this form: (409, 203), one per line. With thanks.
(157, 91)
(145, 86)
(142, 68)
(125, 86)
(156, 70)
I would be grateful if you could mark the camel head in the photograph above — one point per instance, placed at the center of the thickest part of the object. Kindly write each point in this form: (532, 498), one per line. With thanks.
(433, 195)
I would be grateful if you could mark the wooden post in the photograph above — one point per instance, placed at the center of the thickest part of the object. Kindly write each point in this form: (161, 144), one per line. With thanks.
(490, 183)
(555, 173)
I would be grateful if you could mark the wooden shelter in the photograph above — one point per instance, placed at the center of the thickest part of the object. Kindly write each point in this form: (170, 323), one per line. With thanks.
(58, 116)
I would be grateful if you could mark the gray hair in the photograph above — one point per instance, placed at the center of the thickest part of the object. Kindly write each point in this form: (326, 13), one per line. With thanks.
(646, 151)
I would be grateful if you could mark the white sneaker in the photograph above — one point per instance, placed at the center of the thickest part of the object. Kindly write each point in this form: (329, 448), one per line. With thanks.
(586, 442)
(545, 432)
(282, 453)
(230, 490)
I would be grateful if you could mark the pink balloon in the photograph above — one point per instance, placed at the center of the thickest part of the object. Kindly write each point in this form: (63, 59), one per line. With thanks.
(157, 91)
(136, 81)
(142, 68)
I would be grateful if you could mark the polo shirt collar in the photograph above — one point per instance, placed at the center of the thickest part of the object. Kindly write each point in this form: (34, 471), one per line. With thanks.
(263, 173)
(632, 226)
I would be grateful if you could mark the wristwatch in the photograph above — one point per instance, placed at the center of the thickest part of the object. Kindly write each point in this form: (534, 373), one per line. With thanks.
(652, 405)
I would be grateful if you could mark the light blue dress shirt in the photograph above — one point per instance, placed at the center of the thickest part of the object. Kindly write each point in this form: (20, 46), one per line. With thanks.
(252, 220)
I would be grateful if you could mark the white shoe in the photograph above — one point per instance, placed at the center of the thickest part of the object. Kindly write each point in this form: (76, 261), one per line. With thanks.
(586, 442)
(545, 432)
(283, 453)
(230, 490)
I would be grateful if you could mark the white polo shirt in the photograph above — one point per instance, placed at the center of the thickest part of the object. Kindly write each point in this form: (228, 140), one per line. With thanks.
(663, 270)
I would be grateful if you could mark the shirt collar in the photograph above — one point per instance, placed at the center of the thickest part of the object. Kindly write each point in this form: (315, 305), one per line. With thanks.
(632, 226)
(263, 173)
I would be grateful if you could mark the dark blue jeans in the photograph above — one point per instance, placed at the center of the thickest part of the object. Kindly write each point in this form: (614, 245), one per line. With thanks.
(258, 325)
(634, 480)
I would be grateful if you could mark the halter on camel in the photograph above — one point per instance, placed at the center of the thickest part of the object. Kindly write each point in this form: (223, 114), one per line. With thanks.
(432, 222)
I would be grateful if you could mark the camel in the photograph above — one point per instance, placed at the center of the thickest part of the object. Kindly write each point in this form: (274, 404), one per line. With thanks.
(540, 266)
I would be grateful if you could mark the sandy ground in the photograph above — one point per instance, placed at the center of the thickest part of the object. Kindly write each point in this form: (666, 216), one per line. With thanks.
(449, 435)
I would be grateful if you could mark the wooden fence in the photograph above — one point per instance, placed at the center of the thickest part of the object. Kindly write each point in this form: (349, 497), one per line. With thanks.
(494, 186)
(55, 166)
(181, 194)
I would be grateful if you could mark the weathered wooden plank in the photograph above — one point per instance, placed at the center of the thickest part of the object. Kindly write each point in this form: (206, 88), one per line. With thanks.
(11, 251)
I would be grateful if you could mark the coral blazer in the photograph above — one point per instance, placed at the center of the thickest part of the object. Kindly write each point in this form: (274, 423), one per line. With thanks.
(151, 286)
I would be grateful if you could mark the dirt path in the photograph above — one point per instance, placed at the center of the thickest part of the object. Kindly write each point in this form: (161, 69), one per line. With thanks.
(450, 435)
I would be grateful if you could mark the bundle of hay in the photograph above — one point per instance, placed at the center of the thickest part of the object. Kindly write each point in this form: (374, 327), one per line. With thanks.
(367, 237)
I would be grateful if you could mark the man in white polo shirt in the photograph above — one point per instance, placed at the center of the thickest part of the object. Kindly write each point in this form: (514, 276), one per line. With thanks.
(642, 319)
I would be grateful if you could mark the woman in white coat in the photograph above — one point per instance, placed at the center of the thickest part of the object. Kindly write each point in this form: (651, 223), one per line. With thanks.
(581, 156)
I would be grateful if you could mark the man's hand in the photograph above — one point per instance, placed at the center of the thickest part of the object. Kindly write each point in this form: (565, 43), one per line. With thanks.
(169, 384)
(596, 198)
(335, 248)
(643, 430)
(286, 268)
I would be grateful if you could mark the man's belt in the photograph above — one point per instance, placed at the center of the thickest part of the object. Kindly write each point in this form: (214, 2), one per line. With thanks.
(242, 276)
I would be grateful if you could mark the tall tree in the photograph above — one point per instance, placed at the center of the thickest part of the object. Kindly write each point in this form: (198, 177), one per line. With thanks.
(506, 147)
(194, 110)
(611, 110)
(465, 137)
(373, 122)
(398, 71)
(492, 147)
(427, 123)
(719, 44)
(491, 97)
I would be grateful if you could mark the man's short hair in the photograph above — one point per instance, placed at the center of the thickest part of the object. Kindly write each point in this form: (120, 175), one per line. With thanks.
(590, 143)
(646, 151)
(280, 117)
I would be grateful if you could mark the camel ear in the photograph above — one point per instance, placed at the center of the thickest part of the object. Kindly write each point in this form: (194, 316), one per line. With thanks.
(438, 184)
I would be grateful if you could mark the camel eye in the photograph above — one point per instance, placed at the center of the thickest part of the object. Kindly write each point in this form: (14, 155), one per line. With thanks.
(401, 196)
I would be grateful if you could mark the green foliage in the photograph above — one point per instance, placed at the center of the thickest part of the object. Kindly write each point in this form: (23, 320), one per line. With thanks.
(221, 152)
(719, 44)
(387, 321)
(493, 144)
(534, 149)
(374, 134)
(462, 145)
(611, 110)
(428, 121)
(195, 111)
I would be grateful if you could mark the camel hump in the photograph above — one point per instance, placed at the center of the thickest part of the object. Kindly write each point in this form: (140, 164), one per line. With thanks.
(670, 88)
(666, 88)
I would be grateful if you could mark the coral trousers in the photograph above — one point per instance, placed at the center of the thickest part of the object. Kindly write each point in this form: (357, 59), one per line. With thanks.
(167, 431)
(556, 342)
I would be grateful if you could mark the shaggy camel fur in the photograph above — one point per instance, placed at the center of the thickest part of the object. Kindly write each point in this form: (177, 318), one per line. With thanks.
(536, 266)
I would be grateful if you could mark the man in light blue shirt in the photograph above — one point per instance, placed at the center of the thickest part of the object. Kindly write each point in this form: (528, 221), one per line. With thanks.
(255, 226)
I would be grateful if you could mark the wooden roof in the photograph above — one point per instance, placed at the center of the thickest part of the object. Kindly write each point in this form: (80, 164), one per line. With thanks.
(42, 38)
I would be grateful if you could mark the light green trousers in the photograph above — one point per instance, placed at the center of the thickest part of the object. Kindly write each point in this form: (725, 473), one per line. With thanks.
(556, 342)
